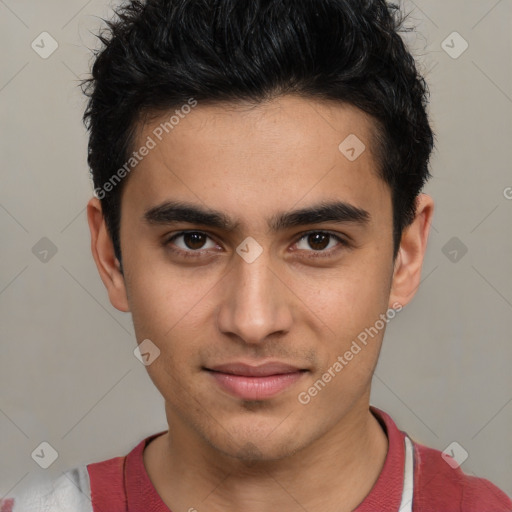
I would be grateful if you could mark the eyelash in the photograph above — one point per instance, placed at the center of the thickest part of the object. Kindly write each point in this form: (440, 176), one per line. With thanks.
(199, 253)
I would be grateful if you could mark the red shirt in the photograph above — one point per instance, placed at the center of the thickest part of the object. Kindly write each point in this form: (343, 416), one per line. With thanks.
(122, 484)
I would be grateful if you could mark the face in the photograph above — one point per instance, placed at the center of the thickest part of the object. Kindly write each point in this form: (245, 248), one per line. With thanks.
(255, 271)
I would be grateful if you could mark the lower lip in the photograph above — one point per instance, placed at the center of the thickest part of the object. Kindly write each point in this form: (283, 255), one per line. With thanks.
(255, 388)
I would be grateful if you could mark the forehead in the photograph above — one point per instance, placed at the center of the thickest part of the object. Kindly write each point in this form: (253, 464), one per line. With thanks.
(287, 150)
(295, 122)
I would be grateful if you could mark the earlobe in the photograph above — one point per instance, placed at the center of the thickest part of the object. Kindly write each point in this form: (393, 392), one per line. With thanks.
(409, 260)
(104, 256)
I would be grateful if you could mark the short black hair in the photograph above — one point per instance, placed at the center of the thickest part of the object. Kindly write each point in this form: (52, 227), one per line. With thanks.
(158, 54)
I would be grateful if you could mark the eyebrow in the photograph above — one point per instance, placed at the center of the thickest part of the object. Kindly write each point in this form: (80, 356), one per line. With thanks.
(171, 212)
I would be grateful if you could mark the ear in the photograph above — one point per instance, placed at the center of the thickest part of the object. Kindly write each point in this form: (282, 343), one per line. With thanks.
(103, 252)
(409, 260)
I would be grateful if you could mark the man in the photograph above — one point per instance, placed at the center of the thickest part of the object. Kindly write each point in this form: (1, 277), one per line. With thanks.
(258, 168)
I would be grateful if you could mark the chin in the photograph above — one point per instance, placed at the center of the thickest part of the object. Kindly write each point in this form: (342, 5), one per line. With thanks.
(249, 445)
(253, 452)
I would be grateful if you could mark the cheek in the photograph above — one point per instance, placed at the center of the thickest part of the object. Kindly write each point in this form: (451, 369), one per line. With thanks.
(164, 299)
(173, 309)
(346, 299)
(165, 317)
(349, 304)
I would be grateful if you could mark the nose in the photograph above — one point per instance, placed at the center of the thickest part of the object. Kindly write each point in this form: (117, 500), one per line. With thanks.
(256, 303)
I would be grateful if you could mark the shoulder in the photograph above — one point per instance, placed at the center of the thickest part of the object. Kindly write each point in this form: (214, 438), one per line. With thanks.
(108, 486)
(86, 488)
(439, 486)
(70, 491)
(443, 487)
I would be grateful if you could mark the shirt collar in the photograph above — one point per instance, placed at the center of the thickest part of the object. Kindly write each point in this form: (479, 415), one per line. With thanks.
(384, 496)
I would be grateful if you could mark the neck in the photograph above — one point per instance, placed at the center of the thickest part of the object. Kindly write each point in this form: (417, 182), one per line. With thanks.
(334, 473)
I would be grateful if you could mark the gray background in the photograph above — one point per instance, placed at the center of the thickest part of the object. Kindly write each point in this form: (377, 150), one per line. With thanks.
(68, 375)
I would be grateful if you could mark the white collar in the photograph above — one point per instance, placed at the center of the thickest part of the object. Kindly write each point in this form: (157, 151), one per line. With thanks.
(408, 488)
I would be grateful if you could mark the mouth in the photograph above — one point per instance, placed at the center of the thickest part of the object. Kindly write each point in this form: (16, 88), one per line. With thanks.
(255, 382)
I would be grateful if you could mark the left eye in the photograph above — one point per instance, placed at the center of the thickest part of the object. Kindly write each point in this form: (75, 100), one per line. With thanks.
(319, 241)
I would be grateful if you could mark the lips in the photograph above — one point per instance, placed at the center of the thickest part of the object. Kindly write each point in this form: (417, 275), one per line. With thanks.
(264, 370)
(255, 382)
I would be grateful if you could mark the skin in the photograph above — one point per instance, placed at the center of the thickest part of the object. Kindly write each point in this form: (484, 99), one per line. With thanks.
(252, 163)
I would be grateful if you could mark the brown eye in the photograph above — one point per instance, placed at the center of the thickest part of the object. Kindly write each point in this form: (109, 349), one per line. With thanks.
(321, 243)
(190, 242)
(194, 241)
(318, 241)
